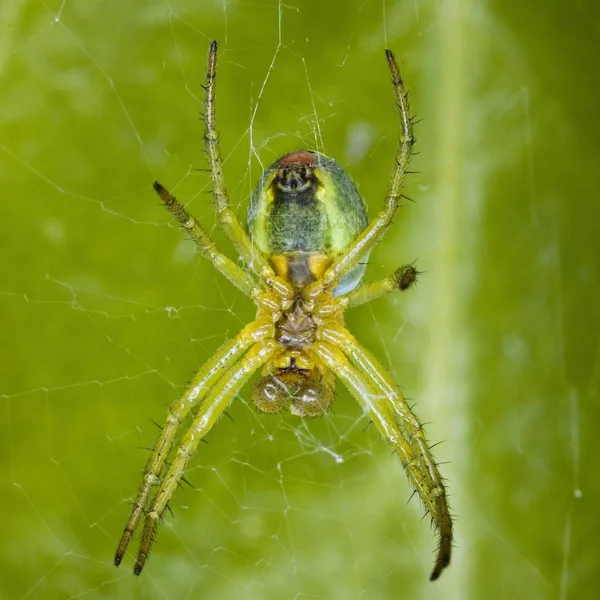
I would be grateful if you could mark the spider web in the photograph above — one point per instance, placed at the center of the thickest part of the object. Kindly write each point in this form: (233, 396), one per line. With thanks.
(108, 311)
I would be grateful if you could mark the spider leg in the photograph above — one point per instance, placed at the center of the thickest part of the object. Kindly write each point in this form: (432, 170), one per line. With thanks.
(229, 221)
(381, 399)
(208, 376)
(372, 235)
(218, 399)
(240, 278)
(401, 279)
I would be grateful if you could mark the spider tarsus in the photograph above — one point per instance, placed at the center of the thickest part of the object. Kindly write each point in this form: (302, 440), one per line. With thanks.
(158, 188)
(435, 574)
(443, 559)
(120, 553)
(393, 66)
(165, 196)
(148, 537)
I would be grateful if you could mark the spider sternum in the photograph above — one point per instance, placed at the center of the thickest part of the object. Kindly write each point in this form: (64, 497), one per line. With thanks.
(297, 324)
(296, 328)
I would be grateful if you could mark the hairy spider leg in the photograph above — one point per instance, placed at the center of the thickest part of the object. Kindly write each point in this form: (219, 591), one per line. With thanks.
(371, 236)
(209, 375)
(401, 279)
(219, 398)
(229, 221)
(382, 400)
(240, 278)
(436, 501)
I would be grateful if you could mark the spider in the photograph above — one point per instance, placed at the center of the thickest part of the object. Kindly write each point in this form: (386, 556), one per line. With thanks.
(304, 251)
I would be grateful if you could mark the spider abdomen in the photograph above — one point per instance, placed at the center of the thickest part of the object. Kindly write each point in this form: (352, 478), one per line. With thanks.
(304, 214)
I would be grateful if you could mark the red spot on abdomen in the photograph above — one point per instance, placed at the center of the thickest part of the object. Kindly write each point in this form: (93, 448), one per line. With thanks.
(305, 158)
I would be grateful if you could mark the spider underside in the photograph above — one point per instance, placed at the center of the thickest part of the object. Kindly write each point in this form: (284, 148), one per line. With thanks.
(304, 247)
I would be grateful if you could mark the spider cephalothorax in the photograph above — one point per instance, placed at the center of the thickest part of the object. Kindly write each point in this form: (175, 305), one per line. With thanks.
(305, 247)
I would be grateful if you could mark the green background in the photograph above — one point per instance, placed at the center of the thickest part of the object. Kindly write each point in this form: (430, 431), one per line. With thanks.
(106, 312)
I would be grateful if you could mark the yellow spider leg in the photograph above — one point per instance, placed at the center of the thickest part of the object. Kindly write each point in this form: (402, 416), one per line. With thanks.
(227, 216)
(216, 368)
(372, 235)
(374, 389)
(401, 279)
(196, 233)
(221, 394)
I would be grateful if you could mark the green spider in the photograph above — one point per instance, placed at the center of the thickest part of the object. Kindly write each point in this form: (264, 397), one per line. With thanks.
(305, 247)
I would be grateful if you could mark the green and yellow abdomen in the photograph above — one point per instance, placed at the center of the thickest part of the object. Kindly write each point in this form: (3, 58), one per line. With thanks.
(304, 213)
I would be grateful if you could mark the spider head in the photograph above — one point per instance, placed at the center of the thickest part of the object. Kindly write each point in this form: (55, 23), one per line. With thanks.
(307, 391)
